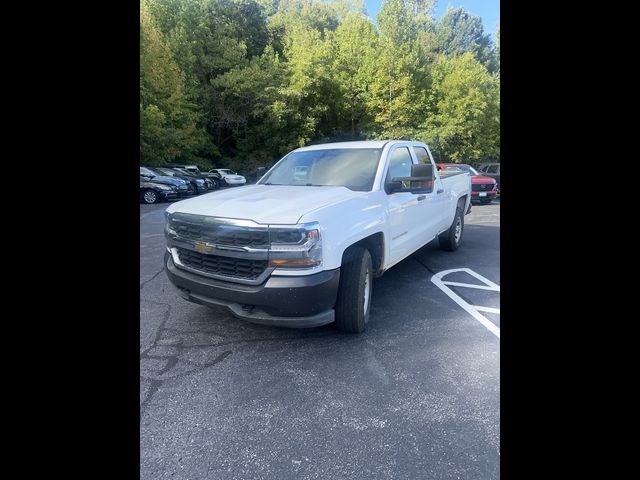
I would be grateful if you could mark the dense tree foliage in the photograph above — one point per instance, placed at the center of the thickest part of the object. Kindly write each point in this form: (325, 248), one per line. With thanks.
(238, 83)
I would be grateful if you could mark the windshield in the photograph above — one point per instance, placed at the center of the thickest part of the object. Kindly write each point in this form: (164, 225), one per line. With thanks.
(148, 171)
(353, 168)
(166, 171)
(226, 171)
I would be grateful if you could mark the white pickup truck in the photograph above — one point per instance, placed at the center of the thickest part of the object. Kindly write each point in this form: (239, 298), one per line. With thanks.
(301, 247)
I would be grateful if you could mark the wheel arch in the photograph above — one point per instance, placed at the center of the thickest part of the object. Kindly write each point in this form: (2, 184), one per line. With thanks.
(462, 203)
(374, 243)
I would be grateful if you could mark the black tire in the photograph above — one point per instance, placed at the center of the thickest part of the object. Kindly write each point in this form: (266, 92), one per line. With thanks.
(356, 277)
(448, 240)
(149, 196)
(196, 190)
(215, 185)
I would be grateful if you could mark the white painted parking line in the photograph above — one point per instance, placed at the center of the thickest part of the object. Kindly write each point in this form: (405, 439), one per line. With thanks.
(471, 285)
(487, 309)
(473, 310)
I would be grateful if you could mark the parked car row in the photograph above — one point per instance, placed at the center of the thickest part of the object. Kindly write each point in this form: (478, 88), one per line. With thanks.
(173, 181)
(484, 189)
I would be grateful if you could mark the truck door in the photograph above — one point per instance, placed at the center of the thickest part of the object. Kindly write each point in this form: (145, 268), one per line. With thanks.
(408, 212)
(435, 204)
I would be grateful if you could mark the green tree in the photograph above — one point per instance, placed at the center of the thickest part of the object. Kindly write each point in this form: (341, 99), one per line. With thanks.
(238, 83)
(421, 7)
(354, 57)
(168, 124)
(458, 31)
(497, 51)
(398, 84)
(462, 124)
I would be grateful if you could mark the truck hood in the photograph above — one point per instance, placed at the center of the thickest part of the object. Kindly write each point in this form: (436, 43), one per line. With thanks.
(480, 179)
(276, 204)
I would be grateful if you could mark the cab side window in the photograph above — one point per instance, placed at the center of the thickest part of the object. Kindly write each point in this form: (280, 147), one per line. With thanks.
(421, 154)
(399, 164)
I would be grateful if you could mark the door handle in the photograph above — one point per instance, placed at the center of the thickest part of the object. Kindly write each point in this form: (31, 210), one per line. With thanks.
(422, 197)
(440, 190)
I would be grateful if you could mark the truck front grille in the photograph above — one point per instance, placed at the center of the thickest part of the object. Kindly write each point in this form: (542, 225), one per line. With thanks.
(218, 265)
(231, 237)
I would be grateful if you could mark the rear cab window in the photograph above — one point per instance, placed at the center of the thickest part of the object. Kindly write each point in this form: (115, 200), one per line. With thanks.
(421, 154)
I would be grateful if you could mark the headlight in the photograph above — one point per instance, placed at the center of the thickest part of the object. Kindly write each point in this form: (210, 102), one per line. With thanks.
(161, 186)
(199, 181)
(295, 247)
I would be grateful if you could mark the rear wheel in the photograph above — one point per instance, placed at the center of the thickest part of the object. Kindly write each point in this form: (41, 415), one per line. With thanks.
(354, 292)
(149, 196)
(451, 239)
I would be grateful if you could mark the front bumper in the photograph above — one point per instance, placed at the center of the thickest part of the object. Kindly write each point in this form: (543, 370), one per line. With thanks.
(168, 195)
(475, 196)
(298, 302)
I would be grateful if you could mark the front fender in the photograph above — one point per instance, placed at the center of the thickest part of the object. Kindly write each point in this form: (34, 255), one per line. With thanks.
(345, 223)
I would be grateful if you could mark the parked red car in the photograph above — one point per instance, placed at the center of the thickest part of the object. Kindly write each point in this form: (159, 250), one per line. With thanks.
(483, 189)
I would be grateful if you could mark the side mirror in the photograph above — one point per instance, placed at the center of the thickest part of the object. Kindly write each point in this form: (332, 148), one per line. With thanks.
(420, 181)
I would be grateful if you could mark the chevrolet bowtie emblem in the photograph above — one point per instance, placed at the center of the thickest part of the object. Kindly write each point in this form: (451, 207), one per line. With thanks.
(202, 247)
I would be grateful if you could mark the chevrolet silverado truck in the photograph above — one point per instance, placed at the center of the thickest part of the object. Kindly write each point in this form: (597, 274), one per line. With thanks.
(301, 247)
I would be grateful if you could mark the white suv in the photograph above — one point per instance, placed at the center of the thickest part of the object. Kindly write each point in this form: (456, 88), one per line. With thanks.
(229, 177)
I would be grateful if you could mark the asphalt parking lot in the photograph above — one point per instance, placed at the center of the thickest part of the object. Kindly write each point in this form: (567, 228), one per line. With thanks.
(415, 396)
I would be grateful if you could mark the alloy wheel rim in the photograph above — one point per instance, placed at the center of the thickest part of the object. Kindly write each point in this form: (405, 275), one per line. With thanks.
(458, 231)
(150, 197)
(367, 292)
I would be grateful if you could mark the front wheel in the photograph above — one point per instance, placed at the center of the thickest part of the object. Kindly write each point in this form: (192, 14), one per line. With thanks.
(214, 183)
(149, 196)
(451, 239)
(354, 292)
